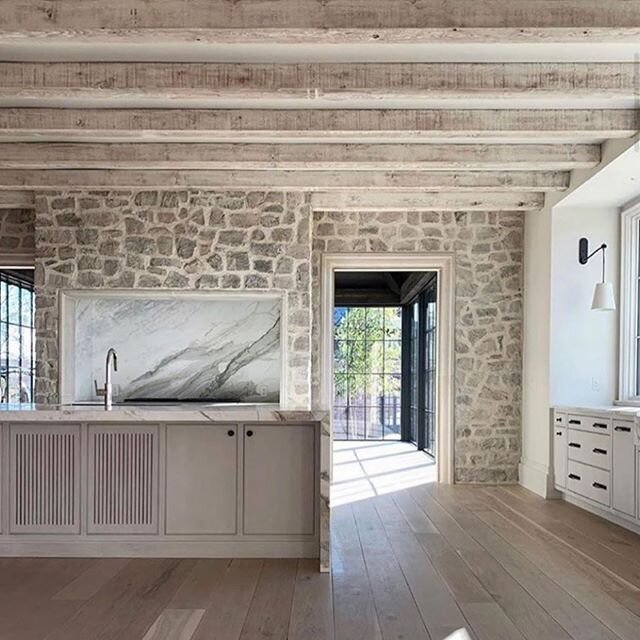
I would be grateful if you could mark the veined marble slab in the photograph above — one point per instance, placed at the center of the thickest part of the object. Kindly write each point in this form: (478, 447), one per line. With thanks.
(179, 347)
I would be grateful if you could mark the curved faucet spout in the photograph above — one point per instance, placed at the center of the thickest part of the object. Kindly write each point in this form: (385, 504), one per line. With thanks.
(112, 357)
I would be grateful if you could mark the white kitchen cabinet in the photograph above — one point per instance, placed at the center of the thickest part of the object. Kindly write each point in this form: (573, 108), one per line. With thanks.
(201, 479)
(560, 456)
(623, 467)
(279, 472)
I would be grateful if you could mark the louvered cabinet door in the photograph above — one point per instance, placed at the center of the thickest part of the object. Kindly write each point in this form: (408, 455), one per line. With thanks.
(123, 479)
(44, 478)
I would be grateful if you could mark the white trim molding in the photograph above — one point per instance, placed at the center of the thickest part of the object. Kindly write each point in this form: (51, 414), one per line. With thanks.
(444, 265)
(629, 272)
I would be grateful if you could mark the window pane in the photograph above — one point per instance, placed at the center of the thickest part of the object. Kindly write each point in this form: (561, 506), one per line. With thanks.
(392, 355)
(14, 304)
(393, 323)
(27, 299)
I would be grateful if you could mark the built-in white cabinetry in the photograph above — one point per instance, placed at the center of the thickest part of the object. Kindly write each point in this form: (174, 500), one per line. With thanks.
(595, 462)
(624, 469)
(279, 492)
(44, 479)
(201, 479)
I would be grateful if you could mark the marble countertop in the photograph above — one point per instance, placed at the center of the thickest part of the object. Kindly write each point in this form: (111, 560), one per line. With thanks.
(190, 412)
(607, 411)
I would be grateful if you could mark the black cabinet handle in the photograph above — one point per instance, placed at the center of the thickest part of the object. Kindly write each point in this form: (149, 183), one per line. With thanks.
(575, 444)
(231, 432)
(573, 476)
(600, 451)
(558, 419)
(599, 425)
(625, 429)
(575, 421)
(249, 433)
(598, 485)
(558, 433)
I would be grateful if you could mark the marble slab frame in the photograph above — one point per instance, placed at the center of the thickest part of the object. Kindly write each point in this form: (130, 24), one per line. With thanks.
(68, 298)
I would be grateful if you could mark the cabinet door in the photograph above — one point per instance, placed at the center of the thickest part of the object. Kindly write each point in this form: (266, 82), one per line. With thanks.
(623, 466)
(560, 456)
(201, 493)
(279, 479)
(45, 472)
(123, 479)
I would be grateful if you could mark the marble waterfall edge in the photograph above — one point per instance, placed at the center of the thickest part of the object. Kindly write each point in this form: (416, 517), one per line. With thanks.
(194, 347)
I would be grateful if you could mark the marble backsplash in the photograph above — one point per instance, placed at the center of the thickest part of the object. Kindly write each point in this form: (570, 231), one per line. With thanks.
(183, 347)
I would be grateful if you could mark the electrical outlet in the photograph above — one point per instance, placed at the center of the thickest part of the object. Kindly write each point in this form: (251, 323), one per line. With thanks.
(595, 384)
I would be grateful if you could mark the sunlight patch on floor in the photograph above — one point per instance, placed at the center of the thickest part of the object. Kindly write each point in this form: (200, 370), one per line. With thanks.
(364, 470)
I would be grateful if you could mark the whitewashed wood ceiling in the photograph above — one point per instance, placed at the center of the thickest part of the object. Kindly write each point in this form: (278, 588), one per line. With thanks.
(421, 104)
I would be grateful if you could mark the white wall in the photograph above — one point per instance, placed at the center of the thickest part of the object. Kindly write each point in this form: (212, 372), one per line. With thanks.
(584, 343)
(534, 464)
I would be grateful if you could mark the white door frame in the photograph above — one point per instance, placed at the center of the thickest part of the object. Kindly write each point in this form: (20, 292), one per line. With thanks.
(444, 265)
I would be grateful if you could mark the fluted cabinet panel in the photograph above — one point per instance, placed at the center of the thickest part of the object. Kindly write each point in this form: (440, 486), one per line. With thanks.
(45, 466)
(123, 479)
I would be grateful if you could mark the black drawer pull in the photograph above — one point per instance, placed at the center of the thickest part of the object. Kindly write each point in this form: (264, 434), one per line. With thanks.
(575, 421)
(575, 444)
(558, 419)
(558, 433)
(599, 425)
(249, 433)
(624, 429)
(573, 476)
(598, 485)
(600, 451)
(231, 432)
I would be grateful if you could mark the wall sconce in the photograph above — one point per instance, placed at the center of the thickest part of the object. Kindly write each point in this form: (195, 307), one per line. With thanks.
(603, 298)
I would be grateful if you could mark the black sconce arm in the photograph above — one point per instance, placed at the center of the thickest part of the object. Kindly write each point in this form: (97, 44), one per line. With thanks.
(584, 256)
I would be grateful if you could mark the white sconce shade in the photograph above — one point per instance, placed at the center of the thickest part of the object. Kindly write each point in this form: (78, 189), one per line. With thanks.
(603, 298)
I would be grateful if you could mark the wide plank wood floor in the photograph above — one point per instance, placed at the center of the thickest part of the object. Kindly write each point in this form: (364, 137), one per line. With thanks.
(412, 560)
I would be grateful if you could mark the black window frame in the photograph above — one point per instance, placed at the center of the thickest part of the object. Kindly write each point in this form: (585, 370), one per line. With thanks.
(24, 285)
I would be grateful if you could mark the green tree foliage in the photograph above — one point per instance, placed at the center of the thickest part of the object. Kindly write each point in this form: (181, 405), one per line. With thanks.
(367, 351)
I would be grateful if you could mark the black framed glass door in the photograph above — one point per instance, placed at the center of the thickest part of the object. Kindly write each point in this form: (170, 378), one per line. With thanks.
(420, 364)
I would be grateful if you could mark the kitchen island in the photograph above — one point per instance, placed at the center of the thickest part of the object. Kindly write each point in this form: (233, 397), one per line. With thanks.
(172, 481)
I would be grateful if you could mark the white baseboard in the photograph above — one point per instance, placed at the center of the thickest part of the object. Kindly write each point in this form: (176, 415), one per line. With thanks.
(608, 514)
(74, 547)
(537, 478)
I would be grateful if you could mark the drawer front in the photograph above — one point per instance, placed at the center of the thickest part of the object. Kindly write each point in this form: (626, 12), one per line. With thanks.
(589, 448)
(589, 423)
(589, 482)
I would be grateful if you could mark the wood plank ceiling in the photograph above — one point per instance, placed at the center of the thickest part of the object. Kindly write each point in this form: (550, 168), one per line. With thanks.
(371, 104)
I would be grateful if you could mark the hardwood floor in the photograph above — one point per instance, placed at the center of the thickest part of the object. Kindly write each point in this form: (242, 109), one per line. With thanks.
(412, 560)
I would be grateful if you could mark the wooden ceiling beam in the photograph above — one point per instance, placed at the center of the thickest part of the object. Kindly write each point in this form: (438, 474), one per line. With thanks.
(348, 157)
(314, 81)
(16, 200)
(93, 15)
(426, 202)
(477, 181)
(212, 125)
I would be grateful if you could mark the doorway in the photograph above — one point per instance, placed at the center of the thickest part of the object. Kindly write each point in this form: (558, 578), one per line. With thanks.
(384, 357)
(387, 353)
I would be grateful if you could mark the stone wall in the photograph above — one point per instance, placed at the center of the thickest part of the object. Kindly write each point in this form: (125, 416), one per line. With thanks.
(488, 324)
(256, 240)
(173, 240)
(17, 228)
